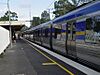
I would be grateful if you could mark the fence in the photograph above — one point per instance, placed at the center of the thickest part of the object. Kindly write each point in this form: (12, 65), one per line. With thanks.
(4, 39)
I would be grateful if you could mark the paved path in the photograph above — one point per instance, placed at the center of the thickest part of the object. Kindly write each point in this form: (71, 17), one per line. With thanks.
(22, 59)
(15, 62)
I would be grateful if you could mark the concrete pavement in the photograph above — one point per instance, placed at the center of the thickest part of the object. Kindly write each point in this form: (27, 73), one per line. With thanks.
(23, 59)
(15, 62)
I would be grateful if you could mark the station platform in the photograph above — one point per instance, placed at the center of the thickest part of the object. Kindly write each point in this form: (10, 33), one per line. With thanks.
(24, 58)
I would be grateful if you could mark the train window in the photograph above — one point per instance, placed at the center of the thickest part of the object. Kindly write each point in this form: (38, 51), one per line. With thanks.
(46, 32)
(63, 32)
(34, 33)
(43, 32)
(89, 24)
(38, 33)
(55, 34)
(60, 32)
(92, 29)
(71, 31)
(57, 31)
(97, 24)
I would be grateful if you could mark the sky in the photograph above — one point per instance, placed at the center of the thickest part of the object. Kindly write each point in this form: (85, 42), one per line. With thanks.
(26, 9)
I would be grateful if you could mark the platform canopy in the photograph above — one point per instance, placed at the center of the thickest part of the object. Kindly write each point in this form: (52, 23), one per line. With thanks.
(15, 25)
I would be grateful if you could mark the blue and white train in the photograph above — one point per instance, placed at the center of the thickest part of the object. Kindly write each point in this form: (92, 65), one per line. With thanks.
(75, 35)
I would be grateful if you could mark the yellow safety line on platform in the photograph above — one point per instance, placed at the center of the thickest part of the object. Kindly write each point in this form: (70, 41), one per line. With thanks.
(53, 61)
(49, 63)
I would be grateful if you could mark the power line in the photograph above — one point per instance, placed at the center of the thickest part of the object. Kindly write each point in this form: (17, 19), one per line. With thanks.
(51, 3)
(50, 9)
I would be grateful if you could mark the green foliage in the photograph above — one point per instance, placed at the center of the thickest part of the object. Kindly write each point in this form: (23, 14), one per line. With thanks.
(13, 16)
(64, 6)
(44, 20)
(4, 18)
(45, 16)
(36, 21)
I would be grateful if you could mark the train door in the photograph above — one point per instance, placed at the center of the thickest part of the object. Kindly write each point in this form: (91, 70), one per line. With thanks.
(71, 44)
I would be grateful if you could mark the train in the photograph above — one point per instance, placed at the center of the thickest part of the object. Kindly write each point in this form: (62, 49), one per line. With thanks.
(75, 35)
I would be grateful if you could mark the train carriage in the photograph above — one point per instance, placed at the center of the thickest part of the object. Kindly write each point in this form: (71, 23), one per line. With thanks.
(46, 34)
(75, 34)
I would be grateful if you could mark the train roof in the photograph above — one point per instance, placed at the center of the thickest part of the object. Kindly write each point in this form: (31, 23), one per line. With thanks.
(40, 26)
(46, 24)
(83, 10)
(80, 11)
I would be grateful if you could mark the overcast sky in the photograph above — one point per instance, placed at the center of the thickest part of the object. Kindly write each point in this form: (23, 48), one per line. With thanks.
(24, 7)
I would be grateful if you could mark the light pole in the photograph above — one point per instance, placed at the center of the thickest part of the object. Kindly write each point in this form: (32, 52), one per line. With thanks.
(49, 11)
(10, 32)
(30, 14)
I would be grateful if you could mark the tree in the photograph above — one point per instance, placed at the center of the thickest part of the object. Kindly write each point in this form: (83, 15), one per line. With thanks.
(4, 18)
(64, 6)
(44, 20)
(36, 21)
(45, 16)
(13, 16)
